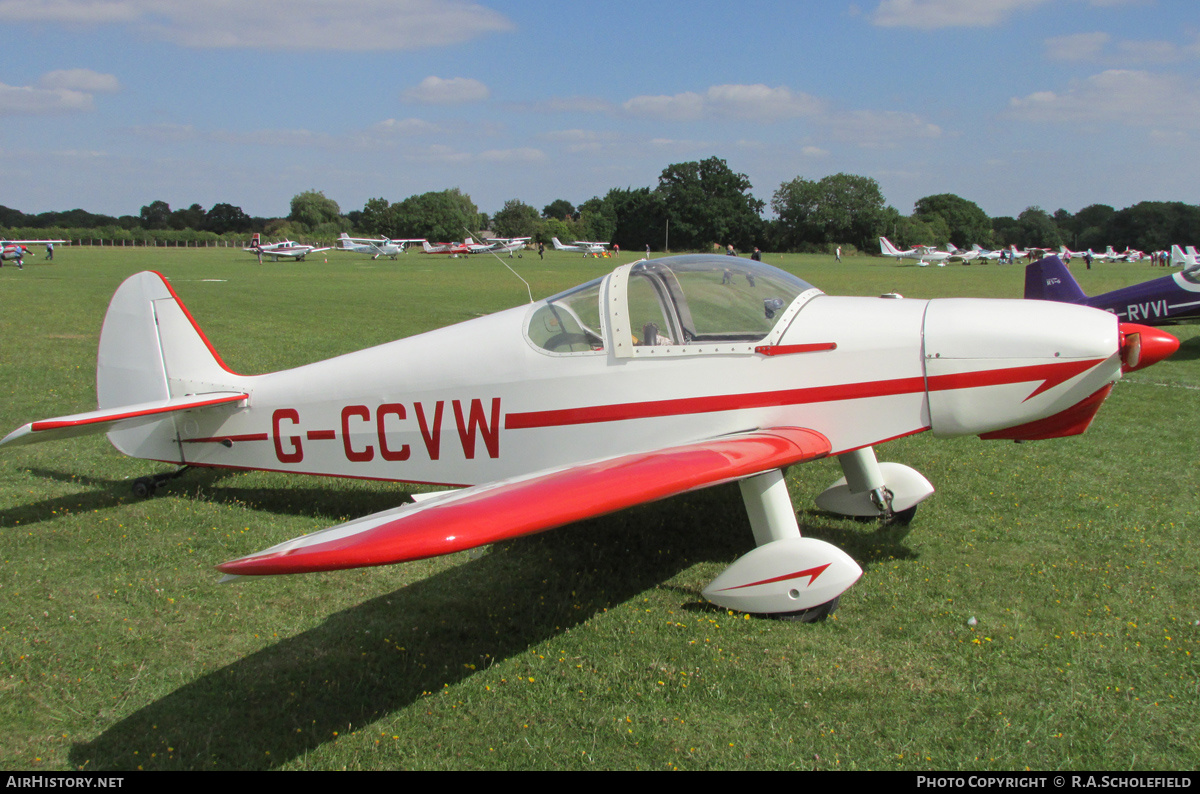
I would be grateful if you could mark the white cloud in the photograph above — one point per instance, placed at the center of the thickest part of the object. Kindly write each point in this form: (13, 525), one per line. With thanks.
(750, 102)
(1100, 48)
(523, 154)
(932, 14)
(28, 100)
(278, 24)
(571, 104)
(80, 80)
(438, 91)
(758, 103)
(1077, 46)
(1116, 97)
(62, 91)
(402, 127)
(875, 129)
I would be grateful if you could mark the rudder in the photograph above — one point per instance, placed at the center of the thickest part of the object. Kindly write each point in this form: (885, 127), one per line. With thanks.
(151, 349)
(1049, 280)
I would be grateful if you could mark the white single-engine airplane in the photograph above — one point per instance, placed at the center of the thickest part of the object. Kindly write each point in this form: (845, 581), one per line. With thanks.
(664, 376)
(375, 247)
(584, 247)
(507, 245)
(284, 248)
(923, 254)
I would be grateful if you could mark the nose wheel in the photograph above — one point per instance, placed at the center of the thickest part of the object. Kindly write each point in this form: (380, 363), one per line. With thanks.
(889, 492)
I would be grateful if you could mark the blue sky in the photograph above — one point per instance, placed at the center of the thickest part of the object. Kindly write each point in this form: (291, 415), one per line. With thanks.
(111, 104)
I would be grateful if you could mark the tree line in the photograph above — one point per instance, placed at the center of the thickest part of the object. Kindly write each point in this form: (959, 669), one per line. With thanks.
(695, 206)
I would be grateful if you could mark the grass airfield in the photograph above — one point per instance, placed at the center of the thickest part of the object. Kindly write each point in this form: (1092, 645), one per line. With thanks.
(588, 647)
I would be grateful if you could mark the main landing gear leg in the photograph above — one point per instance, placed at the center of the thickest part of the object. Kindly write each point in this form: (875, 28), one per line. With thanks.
(870, 489)
(786, 576)
(144, 487)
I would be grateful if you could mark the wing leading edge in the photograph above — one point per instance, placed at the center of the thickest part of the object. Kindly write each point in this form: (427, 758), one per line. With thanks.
(533, 503)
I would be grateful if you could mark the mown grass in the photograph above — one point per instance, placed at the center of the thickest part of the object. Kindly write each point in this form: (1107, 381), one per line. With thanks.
(590, 646)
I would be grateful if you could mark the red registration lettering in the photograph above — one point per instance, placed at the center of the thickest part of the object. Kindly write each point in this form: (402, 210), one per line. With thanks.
(297, 452)
(385, 410)
(363, 413)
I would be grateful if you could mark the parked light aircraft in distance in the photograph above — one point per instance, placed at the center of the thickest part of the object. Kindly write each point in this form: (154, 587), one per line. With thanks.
(923, 254)
(375, 247)
(984, 254)
(18, 249)
(1154, 302)
(284, 248)
(961, 255)
(887, 249)
(584, 247)
(507, 245)
(1184, 257)
(447, 248)
(662, 377)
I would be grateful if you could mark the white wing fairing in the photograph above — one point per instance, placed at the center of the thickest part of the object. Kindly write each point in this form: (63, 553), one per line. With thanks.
(665, 375)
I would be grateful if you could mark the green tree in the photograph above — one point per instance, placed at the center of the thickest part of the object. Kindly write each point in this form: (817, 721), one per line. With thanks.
(559, 208)
(708, 204)
(156, 215)
(968, 224)
(1037, 228)
(311, 209)
(223, 218)
(442, 216)
(841, 208)
(516, 219)
(640, 217)
(377, 218)
(190, 218)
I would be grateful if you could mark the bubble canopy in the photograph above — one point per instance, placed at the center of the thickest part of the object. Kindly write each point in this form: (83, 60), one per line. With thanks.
(677, 304)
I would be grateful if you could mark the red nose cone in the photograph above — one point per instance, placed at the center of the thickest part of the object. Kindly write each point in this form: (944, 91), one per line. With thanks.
(1142, 346)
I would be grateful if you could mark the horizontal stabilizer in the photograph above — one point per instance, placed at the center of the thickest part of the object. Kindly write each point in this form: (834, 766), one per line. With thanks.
(106, 419)
(511, 508)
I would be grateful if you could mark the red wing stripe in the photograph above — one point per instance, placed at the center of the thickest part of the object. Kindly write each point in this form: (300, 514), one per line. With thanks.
(1050, 374)
(490, 513)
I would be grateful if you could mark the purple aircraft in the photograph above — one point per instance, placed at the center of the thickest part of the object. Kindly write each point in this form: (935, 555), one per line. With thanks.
(1156, 302)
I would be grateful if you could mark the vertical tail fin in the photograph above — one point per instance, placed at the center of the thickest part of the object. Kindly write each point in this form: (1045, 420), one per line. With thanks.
(151, 349)
(1049, 280)
(886, 247)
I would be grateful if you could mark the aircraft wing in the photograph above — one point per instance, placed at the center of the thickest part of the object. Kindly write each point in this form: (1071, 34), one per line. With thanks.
(533, 503)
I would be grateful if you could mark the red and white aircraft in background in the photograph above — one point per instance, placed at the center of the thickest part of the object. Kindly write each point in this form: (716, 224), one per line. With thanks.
(661, 377)
(285, 249)
(467, 246)
(19, 249)
(923, 254)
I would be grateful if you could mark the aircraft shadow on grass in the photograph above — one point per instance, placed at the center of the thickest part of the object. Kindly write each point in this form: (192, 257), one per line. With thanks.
(381, 656)
(1188, 350)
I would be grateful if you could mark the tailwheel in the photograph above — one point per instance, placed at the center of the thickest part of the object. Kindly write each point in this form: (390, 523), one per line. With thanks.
(145, 487)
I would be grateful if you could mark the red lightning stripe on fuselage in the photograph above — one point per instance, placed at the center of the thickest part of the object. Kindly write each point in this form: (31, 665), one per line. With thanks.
(1050, 375)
